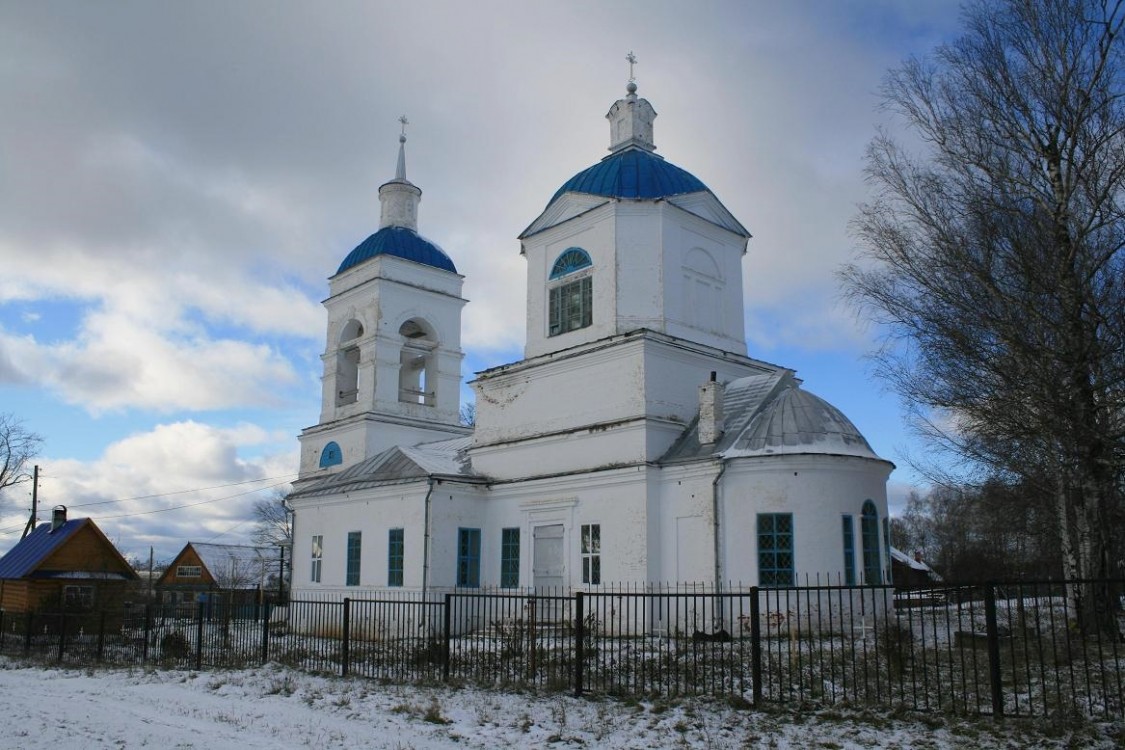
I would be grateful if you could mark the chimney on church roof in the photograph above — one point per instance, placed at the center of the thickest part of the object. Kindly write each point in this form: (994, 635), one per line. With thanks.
(710, 411)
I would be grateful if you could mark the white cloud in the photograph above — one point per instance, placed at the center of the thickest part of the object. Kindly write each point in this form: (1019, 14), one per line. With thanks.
(119, 362)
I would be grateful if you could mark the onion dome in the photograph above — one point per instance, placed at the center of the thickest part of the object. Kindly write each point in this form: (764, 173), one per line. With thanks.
(402, 243)
(633, 173)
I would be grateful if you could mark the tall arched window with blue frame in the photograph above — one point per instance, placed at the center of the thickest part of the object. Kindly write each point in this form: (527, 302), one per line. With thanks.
(331, 455)
(570, 292)
(869, 533)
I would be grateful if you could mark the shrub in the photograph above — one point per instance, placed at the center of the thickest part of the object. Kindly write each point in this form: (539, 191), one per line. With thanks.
(174, 645)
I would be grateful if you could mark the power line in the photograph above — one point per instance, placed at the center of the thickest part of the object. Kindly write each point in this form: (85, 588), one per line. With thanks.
(190, 505)
(12, 530)
(184, 492)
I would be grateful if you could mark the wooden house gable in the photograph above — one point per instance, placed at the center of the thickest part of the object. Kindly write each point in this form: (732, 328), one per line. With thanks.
(186, 569)
(86, 551)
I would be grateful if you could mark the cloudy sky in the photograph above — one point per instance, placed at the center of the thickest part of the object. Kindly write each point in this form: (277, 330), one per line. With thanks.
(178, 180)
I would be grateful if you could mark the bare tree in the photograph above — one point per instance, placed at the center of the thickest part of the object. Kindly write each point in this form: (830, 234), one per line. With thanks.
(468, 414)
(994, 261)
(272, 521)
(18, 446)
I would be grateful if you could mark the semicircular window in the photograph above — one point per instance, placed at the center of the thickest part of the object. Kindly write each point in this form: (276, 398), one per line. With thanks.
(571, 260)
(331, 455)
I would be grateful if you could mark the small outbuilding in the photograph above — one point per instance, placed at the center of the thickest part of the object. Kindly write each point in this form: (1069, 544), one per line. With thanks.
(64, 566)
(910, 572)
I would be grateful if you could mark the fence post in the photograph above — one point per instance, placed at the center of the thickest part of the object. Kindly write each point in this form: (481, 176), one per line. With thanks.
(27, 635)
(447, 622)
(1, 631)
(993, 649)
(199, 638)
(579, 641)
(148, 633)
(756, 644)
(62, 634)
(265, 632)
(345, 646)
(101, 636)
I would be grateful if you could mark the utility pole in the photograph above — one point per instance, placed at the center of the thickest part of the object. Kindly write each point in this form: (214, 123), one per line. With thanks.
(34, 501)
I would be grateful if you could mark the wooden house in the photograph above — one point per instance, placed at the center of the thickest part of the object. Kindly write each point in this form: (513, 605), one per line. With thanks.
(201, 569)
(64, 566)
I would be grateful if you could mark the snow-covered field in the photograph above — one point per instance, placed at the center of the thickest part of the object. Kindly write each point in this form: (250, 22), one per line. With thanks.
(274, 707)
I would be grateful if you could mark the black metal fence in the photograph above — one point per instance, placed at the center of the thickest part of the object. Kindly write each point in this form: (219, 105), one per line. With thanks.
(1014, 649)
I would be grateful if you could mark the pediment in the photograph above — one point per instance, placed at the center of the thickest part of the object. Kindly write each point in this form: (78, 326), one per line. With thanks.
(707, 207)
(563, 208)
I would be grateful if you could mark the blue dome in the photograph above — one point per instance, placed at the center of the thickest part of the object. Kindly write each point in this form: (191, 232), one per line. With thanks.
(401, 243)
(632, 173)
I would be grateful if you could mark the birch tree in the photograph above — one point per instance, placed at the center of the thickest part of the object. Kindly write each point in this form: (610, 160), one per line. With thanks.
(993, 259)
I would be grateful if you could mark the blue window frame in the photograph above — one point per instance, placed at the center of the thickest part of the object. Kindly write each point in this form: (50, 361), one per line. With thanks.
(849, 551)
(570, 303)
(331, 455)
(869, 531)
(571, 306)
(887, 549)
(509, 558)
(355, 550)
(775, 549)
(468, 558)
(396, 549)
(572, 259)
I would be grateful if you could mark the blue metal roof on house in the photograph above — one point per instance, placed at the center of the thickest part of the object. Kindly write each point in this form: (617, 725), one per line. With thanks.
(633, 173)
(401, 243)
(34, 548)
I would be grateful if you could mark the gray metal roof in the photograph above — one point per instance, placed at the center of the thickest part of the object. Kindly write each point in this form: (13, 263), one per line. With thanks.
(398, 464)
(770, 414)
(219, 557)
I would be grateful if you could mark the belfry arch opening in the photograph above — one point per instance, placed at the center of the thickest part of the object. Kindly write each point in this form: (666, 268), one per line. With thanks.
(347, 363)
(417, 374)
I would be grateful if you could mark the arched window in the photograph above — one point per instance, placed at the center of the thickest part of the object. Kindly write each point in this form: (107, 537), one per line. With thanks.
(331, 455)
(417, 383)
(869, 532)
(570, 298)
(572, 259)
(347, 363)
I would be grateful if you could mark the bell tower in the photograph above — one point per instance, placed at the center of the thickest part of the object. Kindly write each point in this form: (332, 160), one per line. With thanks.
(392, 359)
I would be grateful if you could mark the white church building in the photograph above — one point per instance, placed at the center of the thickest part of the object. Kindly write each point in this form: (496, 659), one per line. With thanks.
(635, 443)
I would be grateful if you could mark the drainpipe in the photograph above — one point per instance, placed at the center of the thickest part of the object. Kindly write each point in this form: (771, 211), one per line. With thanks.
(715, 518)
(426, 539)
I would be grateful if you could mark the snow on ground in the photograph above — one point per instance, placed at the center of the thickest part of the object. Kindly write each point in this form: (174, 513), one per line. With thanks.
(274, 707)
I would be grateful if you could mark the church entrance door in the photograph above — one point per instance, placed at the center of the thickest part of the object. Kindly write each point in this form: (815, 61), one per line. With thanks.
(547, 557)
